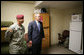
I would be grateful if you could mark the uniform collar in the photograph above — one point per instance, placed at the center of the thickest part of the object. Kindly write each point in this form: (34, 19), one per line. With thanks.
(36, 21)
(20, 27)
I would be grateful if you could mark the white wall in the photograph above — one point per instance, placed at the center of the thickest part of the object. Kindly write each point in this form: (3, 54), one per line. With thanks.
(9, 10)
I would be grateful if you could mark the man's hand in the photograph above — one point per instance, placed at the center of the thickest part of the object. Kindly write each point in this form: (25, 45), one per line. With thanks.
(10, 30)
(29, 44)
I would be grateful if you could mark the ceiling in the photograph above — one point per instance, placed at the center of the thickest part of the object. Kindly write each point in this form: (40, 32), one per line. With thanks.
(31, 2)
(61, 4)
(54, 4)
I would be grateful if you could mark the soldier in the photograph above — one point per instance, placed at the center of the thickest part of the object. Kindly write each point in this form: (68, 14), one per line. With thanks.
(16, 34)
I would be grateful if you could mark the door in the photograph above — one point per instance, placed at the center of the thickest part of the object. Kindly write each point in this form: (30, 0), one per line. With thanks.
(45, 43)
(45, 18)
(75, 36)
(75, 41)
(77, 26)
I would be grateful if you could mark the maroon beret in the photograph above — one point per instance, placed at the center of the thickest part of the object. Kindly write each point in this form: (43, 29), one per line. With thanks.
(20, 16)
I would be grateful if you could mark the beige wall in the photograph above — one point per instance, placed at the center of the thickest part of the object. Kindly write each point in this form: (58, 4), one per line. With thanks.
(60, 20)
(9, 10)
(68, 13)
(57, 22)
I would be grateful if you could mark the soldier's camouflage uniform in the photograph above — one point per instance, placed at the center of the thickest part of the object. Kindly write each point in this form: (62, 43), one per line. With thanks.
(16, 45)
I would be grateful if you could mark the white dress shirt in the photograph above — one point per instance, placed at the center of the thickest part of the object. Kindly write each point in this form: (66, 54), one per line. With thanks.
(38, 24)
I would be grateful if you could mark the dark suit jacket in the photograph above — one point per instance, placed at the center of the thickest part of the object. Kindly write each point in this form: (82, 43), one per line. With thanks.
(34, 34)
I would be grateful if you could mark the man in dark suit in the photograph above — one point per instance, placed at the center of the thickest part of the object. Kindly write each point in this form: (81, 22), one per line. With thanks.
(35, 34)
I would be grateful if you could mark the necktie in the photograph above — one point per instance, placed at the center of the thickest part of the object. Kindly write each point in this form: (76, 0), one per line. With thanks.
(39, 26)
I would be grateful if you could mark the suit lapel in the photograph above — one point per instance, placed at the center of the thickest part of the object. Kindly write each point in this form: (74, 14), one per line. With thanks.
(40, 25)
